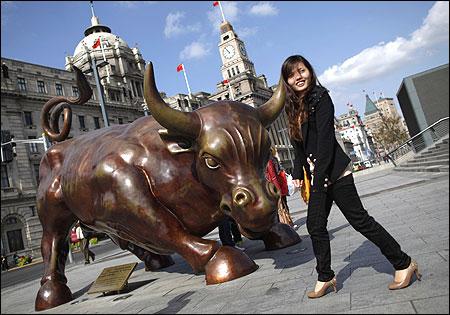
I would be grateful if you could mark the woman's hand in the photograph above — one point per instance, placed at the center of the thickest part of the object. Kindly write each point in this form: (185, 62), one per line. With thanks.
(298, 183)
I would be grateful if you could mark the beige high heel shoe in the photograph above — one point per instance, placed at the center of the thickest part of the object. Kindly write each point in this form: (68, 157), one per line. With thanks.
(322, 292)
(413, 268)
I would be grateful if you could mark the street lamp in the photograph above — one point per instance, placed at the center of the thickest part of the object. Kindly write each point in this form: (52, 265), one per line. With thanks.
(145, 108)
(94, 68)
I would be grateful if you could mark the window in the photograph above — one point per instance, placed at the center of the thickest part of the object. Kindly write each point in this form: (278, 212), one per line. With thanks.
(33, 211)
(97, 123)
(28, 118)
(138, 89)
(232, 70)
(81, 121)
(114, 95)
(5, 71)
(59, 89)
(41, 87)
(237, 69)
(75, 91)
(22, 84)
(36, 173)
(229, 73)
(113, 69)
(120, 120)
(5, 179)
(33, 146)
(15, 240)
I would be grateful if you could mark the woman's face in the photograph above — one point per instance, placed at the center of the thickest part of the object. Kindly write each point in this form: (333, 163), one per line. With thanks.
(300, 78)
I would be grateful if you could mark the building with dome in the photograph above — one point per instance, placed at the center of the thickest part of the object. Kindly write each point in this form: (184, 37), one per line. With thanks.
(25, 87)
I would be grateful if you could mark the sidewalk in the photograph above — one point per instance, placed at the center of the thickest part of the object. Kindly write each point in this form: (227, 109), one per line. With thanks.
(412, 207)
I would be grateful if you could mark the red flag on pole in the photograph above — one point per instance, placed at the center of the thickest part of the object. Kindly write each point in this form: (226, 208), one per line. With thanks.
(215, 3)
(97, 43)
(180, 67)
(225, 81)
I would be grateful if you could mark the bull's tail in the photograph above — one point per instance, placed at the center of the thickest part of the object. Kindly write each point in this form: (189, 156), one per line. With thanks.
(53, 108)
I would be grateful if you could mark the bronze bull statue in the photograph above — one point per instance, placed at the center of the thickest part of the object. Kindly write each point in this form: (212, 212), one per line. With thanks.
(158, 184)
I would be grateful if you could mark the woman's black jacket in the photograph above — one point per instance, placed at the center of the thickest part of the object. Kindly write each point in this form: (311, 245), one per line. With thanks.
(319, 142)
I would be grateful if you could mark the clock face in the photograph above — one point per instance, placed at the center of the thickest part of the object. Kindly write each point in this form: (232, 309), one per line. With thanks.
(228, 52)
(242, 49)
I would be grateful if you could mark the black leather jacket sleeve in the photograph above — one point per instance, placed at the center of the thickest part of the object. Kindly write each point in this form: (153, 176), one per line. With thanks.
(325, 142)
(297, 173)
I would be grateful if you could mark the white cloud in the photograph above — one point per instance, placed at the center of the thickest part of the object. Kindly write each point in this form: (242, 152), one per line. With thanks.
(230, 10)
(174, 27)
(194, 50)
(384, 57)
(263, 8)
(245, 32)
(133, 4)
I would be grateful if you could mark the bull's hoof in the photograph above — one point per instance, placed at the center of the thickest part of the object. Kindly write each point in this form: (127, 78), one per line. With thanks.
(156, 262)
(52, 294)
(280, 236)
(228, 263)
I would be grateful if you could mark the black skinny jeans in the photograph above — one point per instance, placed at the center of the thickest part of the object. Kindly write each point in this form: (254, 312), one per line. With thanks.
(344, 193)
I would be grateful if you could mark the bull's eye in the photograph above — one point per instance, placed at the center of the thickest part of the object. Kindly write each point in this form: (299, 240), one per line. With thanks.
(211, 163)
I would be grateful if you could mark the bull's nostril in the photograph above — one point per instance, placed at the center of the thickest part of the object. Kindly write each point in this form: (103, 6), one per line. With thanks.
(272, 189)
(240, 198)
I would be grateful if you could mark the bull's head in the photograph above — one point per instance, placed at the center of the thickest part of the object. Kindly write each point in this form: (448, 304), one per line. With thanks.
(232, 145)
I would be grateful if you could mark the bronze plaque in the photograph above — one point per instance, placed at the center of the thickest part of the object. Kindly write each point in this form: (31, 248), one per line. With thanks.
(113, 278)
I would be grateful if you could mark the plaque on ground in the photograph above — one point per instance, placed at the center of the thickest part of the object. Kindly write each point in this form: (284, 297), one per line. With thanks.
(113, 279)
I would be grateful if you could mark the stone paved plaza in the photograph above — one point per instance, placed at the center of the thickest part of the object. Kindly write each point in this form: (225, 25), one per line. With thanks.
(413, 207)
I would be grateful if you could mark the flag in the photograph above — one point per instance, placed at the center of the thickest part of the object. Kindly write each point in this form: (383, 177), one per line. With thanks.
(96, 43)
(180, 67)
(215, 3)
(225, 81)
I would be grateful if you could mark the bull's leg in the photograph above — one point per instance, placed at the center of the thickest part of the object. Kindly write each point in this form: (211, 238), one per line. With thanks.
(152, 261)
(56, 222)
(280, 236)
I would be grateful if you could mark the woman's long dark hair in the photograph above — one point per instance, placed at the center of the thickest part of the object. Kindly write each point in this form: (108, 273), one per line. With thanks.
(295, 106)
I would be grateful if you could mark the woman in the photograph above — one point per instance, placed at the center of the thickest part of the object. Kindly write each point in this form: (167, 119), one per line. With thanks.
(310, 112)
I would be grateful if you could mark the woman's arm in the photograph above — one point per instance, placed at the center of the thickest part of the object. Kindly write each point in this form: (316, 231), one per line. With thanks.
(325, 141)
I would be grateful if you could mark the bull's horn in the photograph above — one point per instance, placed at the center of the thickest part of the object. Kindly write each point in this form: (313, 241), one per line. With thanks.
(184, 123)
(268, 112)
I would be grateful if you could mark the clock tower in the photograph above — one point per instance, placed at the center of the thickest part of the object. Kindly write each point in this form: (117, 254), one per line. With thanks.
(233, 53)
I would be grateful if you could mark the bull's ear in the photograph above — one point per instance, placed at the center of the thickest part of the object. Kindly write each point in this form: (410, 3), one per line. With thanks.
(176, 143)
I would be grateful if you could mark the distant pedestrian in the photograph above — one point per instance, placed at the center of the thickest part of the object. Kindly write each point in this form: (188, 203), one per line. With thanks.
(310, 113)
(229, 233)
(84, 243)
(277, 176)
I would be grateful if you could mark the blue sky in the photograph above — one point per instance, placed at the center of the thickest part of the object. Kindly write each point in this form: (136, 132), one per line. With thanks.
(353, 46)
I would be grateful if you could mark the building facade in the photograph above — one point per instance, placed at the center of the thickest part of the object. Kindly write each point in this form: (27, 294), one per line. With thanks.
(424, 98)
(352, 129)
(25, 88)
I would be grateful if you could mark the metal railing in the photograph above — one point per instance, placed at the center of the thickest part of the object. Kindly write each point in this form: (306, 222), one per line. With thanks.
(420, 141)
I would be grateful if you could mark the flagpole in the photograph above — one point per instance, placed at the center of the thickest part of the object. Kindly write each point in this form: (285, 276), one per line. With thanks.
(104, 57)
(221, 11)
(187, 83)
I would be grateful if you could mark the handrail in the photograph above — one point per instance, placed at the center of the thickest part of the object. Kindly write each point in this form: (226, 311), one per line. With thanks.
(409, 141)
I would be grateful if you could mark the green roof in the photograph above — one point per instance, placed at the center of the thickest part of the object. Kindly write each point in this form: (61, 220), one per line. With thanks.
(370, 106)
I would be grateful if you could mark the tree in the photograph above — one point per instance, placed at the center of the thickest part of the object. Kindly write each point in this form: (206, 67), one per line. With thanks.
(390, 133)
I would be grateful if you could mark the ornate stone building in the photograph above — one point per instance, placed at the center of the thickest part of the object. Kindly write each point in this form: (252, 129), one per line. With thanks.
(25, 87)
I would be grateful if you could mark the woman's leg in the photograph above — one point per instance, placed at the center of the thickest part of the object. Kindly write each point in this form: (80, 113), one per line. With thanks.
(318, 211)
(346, 197)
